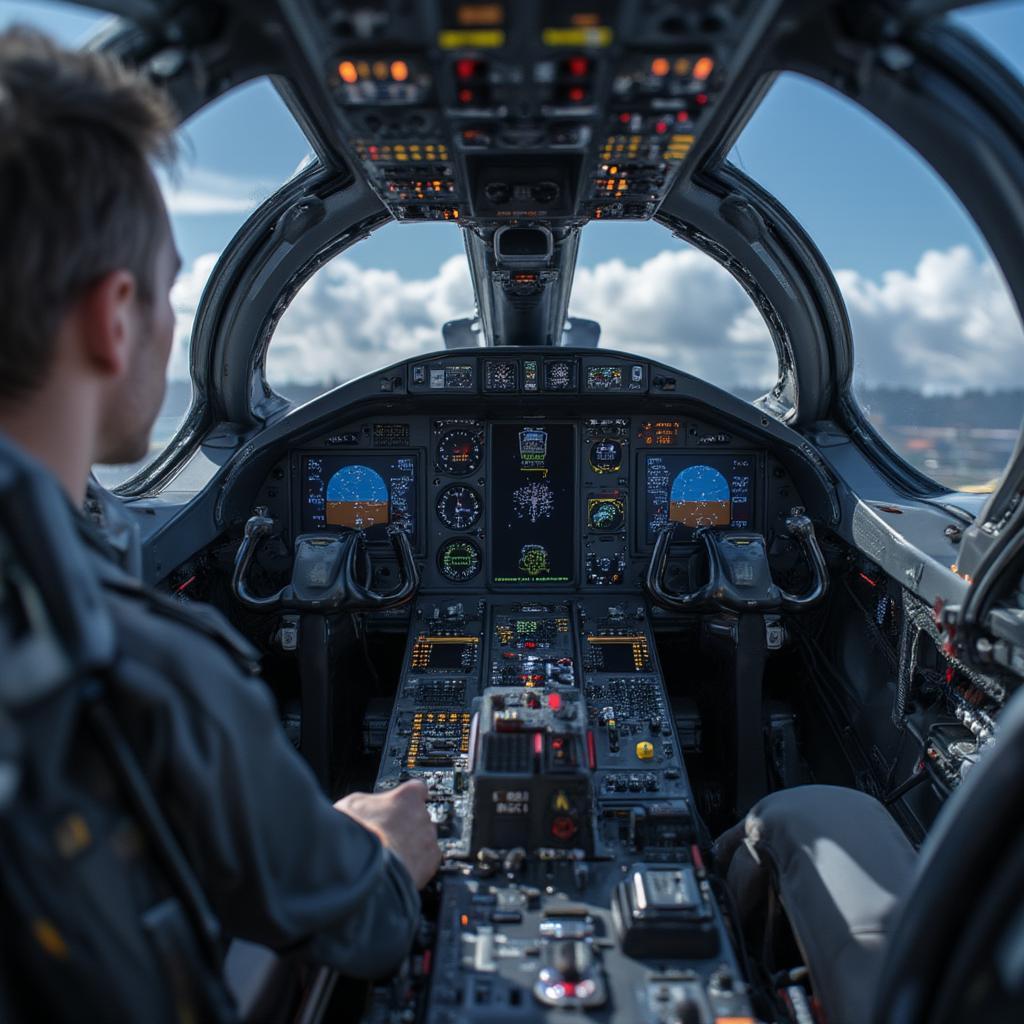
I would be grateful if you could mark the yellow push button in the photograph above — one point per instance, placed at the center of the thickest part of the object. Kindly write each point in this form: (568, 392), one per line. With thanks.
(645, 750)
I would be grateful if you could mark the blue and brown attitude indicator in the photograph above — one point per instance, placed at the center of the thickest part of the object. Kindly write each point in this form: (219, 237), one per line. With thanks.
(700, 496)
(357, 496)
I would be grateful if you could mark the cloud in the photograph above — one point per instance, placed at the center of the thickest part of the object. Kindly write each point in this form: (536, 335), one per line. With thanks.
(947, 326)
(185, 296)
(348, 320)
(682, 308)
(198, 191)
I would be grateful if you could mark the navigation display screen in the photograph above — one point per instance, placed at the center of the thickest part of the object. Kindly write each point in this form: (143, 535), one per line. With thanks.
(362, 491)
(695, 490)
(532, 509)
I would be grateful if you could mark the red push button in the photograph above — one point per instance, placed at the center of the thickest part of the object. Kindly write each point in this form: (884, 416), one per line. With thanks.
(563, 828)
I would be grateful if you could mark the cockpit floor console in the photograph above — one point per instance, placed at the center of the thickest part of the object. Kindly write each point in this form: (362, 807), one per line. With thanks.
(573, 879)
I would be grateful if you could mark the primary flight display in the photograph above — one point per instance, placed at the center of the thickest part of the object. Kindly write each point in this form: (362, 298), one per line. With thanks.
(363, 492)
(694, 490)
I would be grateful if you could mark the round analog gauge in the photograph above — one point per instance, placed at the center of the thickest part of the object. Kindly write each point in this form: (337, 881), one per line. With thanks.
(606, 456)
(606, 513)
(458, 507)
(459, 452)
(459, 560)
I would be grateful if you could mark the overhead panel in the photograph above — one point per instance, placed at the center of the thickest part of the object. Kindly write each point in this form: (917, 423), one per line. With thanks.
(550, 113)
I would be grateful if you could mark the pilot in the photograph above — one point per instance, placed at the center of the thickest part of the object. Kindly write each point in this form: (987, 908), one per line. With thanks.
(87, 261)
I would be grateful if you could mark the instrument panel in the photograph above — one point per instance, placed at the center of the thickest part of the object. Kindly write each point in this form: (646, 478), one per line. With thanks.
(507, 503)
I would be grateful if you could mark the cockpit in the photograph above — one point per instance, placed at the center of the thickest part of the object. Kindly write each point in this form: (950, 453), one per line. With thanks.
(600, 606)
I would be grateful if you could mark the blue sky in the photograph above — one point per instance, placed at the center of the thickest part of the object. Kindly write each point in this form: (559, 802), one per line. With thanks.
(895, 236)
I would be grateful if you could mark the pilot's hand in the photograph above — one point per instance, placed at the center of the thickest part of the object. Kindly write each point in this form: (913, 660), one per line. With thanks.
(399, 817)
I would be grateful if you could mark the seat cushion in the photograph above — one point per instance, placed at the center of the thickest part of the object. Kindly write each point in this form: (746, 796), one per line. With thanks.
(840, 866)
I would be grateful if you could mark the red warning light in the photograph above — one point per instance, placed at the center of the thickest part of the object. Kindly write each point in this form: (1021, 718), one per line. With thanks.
(702, 98)
(465, 95)
(661, 127)
(682, 116)
(466, 69)
(624, 117)
(578, 66)
(577, 94)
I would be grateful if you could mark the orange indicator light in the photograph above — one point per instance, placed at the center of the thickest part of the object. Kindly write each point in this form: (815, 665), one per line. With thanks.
(348, 73)
(703, 68)
(480, 14)
(659, 67)
(399, 70)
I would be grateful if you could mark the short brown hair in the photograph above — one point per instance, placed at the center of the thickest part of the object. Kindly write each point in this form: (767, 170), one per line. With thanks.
(78, 199)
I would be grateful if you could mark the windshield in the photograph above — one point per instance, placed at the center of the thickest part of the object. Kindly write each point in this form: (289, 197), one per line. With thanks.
(938, 344)
(388, 298)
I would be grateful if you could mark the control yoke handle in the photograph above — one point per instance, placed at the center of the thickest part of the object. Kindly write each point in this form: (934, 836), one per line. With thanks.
(331, 572)
(739, 577)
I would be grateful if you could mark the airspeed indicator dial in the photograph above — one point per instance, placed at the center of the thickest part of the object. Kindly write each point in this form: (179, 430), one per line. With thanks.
(459, 452)
(458, 507)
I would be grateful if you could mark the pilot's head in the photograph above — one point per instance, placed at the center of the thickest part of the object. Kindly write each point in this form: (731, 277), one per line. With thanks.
(87, 258)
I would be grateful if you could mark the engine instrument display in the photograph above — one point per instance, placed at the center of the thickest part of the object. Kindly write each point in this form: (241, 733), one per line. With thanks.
(605, 378)
(501, 375)
(698, 490)
(459, 451)
(365, 492)
(532, 506)
(459, 560)
(606, 513)
(606, 456)
(458, 507)
(559, 375)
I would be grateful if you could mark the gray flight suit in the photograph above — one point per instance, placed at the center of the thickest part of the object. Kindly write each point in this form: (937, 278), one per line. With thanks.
(278, 864)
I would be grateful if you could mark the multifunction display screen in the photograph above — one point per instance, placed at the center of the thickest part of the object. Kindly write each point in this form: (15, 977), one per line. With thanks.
(362, 491)
(698, 490)
(533, 503)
